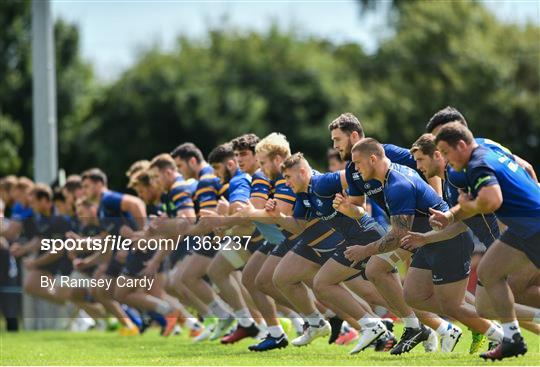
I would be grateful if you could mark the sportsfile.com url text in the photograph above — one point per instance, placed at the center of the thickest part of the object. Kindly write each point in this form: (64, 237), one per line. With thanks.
(119, 243)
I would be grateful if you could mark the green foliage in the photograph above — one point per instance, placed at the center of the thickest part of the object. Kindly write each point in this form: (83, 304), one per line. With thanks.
(210, 91)
(11, 139)
(75, 88)
(230, 82)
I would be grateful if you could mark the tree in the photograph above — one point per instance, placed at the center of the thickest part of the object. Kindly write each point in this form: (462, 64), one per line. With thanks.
(211, 90)
(75, 88)
(457, 53)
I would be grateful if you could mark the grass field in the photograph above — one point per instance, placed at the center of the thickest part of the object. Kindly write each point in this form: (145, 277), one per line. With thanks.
(100, 348)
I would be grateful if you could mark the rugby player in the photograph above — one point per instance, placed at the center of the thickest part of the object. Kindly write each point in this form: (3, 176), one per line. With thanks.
(497, 184)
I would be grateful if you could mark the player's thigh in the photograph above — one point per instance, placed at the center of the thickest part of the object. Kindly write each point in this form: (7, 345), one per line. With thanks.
(333, 272)
(526, 277)
(449, 296)
(418, 285)
(220, 266)
(501, 260)
(196, 266)
(294, 268)
(252, 268)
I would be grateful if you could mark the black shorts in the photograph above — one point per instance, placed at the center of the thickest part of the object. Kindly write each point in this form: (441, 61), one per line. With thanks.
(449, 261)
(255, 242)
(179, 253)
(319, 250)
(364, 238)
(114, 268)
(282, 249)
(135, 263)
(266, 247)
(529, 246)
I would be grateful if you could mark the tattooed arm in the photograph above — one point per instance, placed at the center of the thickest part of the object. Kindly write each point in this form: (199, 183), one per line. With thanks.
(401, 225)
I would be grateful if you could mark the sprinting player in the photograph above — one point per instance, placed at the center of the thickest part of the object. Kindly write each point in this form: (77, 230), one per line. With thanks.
(526, 282)
(153, 300)
(330, 233)
(437, 279)
(225, 262)
(484, 226)
(270, 152)
(45, 224)
(499, 185)
(191, 164)
(346, 130)
(114, 211)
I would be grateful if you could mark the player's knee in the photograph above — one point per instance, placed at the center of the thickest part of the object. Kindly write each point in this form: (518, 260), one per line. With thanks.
(263, 282)
(214, 273)
(248, 281)
(279, 280)
(486, 276)
(320, 288)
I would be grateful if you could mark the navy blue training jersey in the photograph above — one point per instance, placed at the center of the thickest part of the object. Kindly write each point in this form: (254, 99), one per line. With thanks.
(520, 209)
(406, 193)
(317, 203)
(179, 197)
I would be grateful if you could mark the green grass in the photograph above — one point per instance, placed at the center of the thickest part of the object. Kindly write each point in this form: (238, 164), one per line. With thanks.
(107, 348)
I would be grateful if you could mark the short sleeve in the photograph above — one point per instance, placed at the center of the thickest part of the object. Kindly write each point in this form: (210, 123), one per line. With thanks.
(400, 197)
(239, 190)
(206, 194)
(300, 211)
(284, 192)
(112, 201)
(354, 189)
(481, 175)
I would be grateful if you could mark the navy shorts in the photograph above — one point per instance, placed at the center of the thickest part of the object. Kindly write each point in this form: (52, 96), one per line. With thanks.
(257, 240)
(282, 249)
(449, 261)
(266, 247)
(364, 238)
(529, 246)
(179, 253)
(320, 249)
(135, 263)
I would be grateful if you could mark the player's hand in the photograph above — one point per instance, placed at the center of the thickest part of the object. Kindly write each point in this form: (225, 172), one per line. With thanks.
(356, 253)
(16, 250)
(465, 201)
(343, 204)
(413, 240)
(222, 206)
(245, 209)
(29, 263)
(126, 232)
(4, 244)
(270, 208)
(150, 268)
(79, 264)
(72, 235)
(439, 220)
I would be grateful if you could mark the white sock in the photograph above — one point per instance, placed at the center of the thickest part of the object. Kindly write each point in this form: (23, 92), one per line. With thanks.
(192, 323)
(510, 328)
(244, 317)
(298, 324)
(368, 321)
(443, 328)
(163, 308)
(329, 313)
(315, 319)
(275, 331)
(219, 311)
(411, 321)
(494, 333)
(345, 327)
(380, 311)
